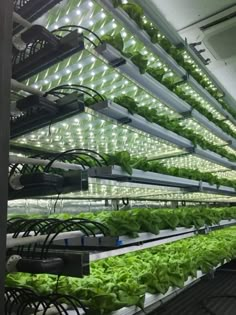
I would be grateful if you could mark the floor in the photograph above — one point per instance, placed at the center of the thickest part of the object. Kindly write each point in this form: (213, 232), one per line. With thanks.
(210, 296)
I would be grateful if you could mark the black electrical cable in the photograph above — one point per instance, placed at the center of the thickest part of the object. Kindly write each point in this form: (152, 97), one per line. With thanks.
(83, 162)
(47, 167)
(59, 94)
(26, 169)
(13, 169)
(36, 168)
(67, 86)
(77, 89)
(68, 225)
(80, 90)
(57, 284)
(86, 162)
(85, 37)
(75, 303)
(125, 201)
(55, 204)
(62, 28)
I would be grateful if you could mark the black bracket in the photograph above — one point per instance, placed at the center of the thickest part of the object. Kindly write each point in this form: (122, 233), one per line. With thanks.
(124, 120)
(117, 62)
(60, 262)
(200, 186)
(186, 77)
(180, 45)
(44, 184)
(191, 150)
(199, 52)
(38, 111)
(187, 114)
(38, 32)
(40, 55)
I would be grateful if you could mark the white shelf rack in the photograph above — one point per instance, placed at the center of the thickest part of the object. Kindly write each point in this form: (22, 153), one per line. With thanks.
(151, 240)
(138, 176)
(150, 84)
(143, 237)
(117, 112)
(135, 248)
(151, 11)
(122, 16)
(164, 236)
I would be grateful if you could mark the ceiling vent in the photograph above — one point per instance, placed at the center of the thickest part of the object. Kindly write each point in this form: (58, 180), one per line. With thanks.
(217, 33)
(220, 39)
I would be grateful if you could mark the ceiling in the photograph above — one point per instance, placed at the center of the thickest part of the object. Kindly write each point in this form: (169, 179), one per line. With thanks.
(185, 15)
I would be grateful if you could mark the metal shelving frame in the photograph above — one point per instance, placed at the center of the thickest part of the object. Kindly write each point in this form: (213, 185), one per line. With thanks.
(6, 10)
(150, 84)
(108, 175)
(116, 173)
(138, 176)
(168, 30)
(123, 244)
(155, 48)
(118, 112)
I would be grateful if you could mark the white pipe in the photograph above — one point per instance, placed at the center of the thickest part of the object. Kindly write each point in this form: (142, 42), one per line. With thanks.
(21, 241)
(53, 310)
(20, 20)
(16, 86)
(56, 164)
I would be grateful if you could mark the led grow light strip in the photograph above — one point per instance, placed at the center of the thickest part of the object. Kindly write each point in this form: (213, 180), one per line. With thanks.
(117, 112)
(128, 20)
(146, 81)
(131, 249)
(74, 13)
(194, 125)
(93, 131)
(139, 176)
(68, 69)
(193, 162)
(157, 50)
(226, 174)
(166, 28)
(99, 73)
(189, 91)
(69, 131)
(110, 189)
(193, 197)
(109, 25)
(139, 123)
(81, 11)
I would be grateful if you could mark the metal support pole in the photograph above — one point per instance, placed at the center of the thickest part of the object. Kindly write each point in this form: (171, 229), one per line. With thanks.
(6, 10)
